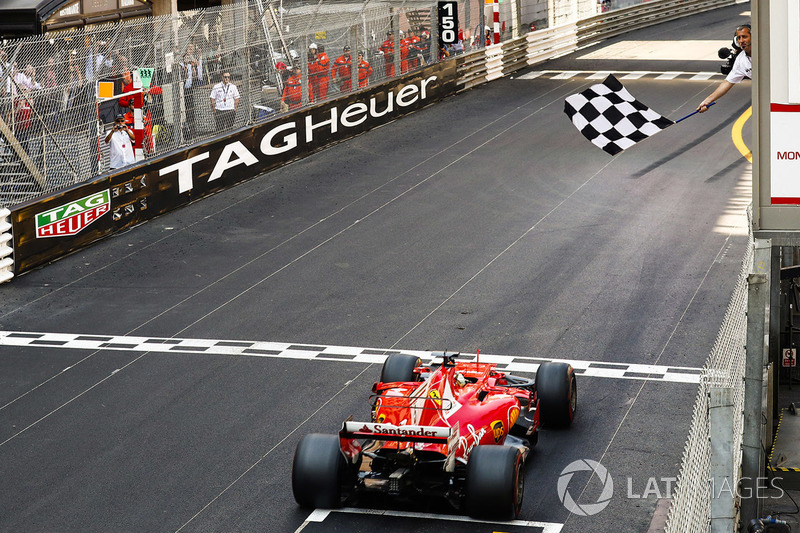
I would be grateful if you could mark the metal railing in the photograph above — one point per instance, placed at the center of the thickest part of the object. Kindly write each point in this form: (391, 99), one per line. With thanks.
(709, 477)
(562, 39)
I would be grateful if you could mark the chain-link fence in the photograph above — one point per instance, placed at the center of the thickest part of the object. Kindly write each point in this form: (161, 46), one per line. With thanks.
(53, 124)
(690, 509)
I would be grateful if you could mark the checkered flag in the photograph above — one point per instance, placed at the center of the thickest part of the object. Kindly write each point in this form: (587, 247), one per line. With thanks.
(611, 118)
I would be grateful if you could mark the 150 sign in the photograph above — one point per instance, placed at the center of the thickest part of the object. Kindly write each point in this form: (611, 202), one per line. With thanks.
(448, 22)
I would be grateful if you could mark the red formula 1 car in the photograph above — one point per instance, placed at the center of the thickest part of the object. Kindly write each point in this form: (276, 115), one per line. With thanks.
(459, 430)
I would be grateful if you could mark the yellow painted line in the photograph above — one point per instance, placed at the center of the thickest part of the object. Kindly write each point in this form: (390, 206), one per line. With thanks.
(736, 134)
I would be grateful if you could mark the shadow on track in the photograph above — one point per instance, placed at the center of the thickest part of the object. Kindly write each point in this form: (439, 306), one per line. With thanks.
(691, 144)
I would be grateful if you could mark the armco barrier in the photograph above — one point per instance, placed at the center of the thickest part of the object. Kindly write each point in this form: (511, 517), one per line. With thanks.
(6, 250)
(48, 228)
(539, 46)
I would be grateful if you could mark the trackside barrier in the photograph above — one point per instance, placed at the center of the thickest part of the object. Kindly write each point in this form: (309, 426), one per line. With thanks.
(705, 495)
(6, 247)
(494, 62)
(49, 228)
(543, 45)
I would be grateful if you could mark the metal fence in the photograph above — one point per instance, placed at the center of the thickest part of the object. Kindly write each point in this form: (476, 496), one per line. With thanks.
(691, 507)
(53, 125)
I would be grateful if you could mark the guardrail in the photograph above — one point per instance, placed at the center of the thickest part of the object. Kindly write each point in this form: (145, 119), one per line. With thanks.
(6, 247)
(543, 45)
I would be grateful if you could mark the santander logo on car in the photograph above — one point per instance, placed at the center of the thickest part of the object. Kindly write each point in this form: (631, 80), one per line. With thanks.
(398, 431)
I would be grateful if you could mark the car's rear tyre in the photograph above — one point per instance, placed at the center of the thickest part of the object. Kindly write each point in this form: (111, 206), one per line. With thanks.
(495, 483)
(400, 367)
(557, 391)
(318, 470)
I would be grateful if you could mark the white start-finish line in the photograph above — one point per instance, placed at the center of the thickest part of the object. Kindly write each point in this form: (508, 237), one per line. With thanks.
(319, 515)
(320, 352)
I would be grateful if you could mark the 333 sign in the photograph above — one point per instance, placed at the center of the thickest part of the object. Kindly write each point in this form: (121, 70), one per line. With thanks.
(448, 22)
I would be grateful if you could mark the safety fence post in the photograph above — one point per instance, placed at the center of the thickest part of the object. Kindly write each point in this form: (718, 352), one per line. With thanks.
(757, 349)
(723, 481)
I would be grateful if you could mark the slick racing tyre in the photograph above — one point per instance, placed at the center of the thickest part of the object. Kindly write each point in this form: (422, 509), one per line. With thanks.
(400, 367)
(318, 470)
(495, 483)
(557, 391)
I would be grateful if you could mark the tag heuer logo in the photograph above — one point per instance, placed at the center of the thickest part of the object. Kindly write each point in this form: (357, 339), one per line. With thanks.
(72, 218)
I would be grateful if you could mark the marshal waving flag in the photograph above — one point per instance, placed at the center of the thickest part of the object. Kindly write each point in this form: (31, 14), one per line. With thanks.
(611, 118)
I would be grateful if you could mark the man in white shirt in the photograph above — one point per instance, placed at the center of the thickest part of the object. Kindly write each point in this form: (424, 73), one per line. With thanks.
(742, 68)
(224, 101)
(120, 141)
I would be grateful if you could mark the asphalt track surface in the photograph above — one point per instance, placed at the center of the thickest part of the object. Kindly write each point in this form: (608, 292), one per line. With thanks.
(483, 222)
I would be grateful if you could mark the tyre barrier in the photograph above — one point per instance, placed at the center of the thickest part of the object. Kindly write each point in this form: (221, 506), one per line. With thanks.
(6, 247)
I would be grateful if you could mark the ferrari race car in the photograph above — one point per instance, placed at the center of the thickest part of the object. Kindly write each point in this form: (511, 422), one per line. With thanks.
(458, 430)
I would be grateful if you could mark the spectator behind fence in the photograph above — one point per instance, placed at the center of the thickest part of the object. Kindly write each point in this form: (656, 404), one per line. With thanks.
(414, 51)
(388, 54)
(293, 90)
(318, 69)
(27, 79)
(23, 114)
(4, 68)
(192, 77)
(75, 81)
(224, 101)
(51, 77)
(341, 70)
(444, 53)
(364, 71)
(405, 51)
(424, 46)
(120, 140)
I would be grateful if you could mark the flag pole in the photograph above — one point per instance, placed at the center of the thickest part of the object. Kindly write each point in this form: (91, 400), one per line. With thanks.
(694, 113)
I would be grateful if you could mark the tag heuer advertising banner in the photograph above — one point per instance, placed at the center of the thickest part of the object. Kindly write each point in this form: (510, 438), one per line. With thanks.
(48, 228)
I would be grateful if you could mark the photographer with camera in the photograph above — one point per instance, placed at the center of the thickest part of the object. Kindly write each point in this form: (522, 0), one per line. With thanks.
(120, 140)
(742, 68)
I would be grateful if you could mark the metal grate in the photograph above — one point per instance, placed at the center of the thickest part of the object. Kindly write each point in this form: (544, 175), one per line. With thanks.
(691, 505)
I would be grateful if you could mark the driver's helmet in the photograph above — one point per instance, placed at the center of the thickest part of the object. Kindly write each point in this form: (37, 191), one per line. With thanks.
(460, 379)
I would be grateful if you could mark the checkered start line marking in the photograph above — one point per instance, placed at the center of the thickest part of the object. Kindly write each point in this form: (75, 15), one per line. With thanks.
(621, 75)
(317, 352)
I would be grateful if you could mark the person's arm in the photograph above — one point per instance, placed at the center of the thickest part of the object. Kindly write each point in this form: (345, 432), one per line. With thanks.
(110, 133)
(721, 90)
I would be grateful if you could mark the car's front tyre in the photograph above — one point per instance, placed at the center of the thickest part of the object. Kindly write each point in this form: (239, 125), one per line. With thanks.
(557, 391)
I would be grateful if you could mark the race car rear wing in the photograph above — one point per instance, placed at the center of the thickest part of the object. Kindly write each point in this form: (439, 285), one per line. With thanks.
(390, 432)
(447, 436)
